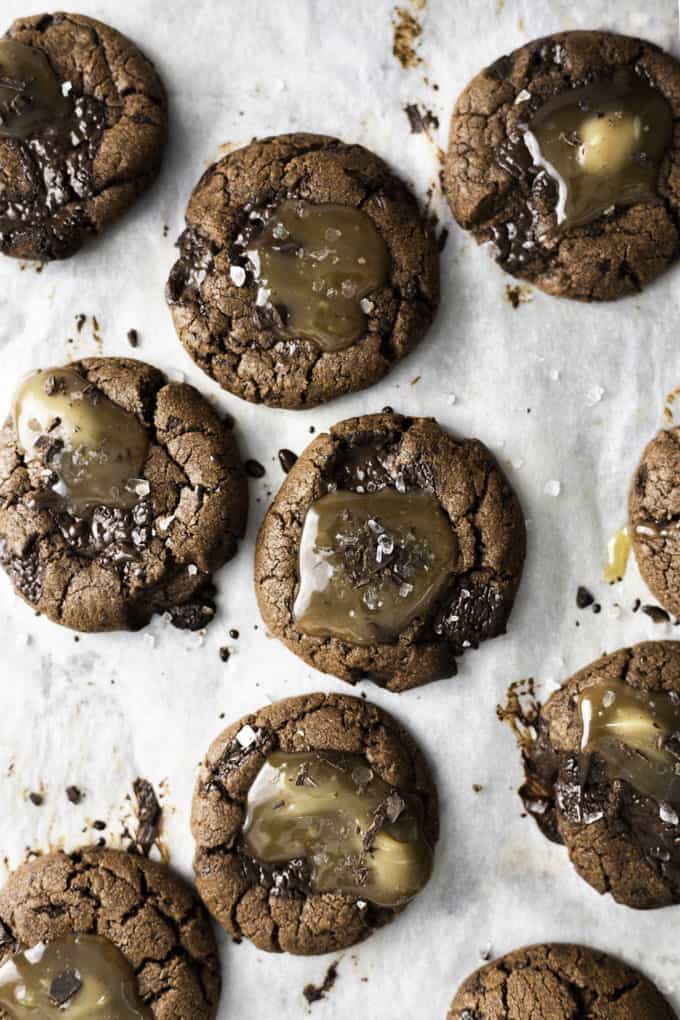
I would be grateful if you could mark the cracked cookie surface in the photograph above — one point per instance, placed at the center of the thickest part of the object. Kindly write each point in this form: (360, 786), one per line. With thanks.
(558, 981)
(278, 912)
(620, 840)
(616, 254)
(483, 512)
(67, 181)
(215, 309)
(147, 912)
(654, 513)
(156, 556)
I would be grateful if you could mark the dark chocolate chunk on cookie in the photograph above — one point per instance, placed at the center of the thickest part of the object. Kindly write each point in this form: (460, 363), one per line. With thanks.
(562, 158)
(603, 773)
(305, 271)
(654, 513)
(83, 122)
(315, 822)
(560, 982)
(389, 550)
(102, 932)
(120, 494)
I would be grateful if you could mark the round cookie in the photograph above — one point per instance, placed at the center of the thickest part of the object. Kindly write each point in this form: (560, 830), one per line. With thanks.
(602, 773)
(83, 122)
(289, 904)
(120, 494)
(305, 271)
(459, 504)
(653, 508)
(562, 159)
(112, 898)
(561, 982)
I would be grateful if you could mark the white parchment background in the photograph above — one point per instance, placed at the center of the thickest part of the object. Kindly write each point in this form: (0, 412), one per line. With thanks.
(99, 712)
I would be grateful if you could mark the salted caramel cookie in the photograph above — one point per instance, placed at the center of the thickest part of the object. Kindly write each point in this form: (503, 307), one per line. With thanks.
(603, 773)
(315, 822)
(120, 494)
(104, 935)
(390, 548)
(305, 271)
(562, 158)
(82, 127)
(560, 982)
(654, 510)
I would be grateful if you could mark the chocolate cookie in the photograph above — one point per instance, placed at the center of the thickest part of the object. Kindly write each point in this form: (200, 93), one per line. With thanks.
(390, 548)
(653, 509)
(558, 982)
(603, 773)
(120, 493)
(305, 271)
(562, 158)
(103, 933)
(82, 127)
(315, 821)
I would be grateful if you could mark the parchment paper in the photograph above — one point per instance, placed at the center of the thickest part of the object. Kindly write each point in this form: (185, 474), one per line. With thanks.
(99, 711)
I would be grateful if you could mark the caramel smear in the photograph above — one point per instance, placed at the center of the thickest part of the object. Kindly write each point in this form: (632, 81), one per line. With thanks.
(618, 551)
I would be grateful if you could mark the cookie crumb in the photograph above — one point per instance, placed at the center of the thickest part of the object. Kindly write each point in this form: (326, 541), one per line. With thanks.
(477, 787)
(234, 634)
(81, 319)
(133, 338)
(407, 30)
(36, 798)
(225, 654)
(314, 993)
(99, 825)
(74, 794)
(584, 597)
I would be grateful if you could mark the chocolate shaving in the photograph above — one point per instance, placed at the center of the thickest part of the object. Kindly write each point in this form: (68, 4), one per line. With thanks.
(148, 817)
(313, 993)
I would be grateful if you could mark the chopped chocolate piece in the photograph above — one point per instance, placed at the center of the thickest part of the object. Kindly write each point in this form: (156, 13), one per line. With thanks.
(584, 598)
(225, 654)
(63, 987)
(286, 459)
(149, 815)
(133, 338)
(36, 798)
(74, 794)
(254, 468)
(656, 613)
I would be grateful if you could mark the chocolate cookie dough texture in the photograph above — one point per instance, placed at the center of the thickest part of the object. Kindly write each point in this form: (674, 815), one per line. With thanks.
(315, 822)
(389, 550)
(83, 123)
(305, 271)
(120, 493)
(559, 982)
(563, 159)
(654, 513)
(603, 774)
(104, 935)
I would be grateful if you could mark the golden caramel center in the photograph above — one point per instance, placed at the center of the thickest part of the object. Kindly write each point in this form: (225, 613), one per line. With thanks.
(95, 447)
(79, 977)
(638, 735)
(316, 265)
(603, 144)
(369, 564)
(31, 96)
(358, 835)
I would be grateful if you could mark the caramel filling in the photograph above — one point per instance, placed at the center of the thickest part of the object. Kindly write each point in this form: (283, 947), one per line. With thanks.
(638, 735)
(82, 977)
(358, 835)
(603, 144)
(315, 266)
(369, 564)
(94, 447)
(31, 95)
